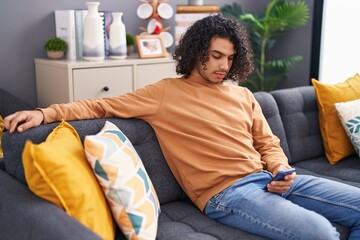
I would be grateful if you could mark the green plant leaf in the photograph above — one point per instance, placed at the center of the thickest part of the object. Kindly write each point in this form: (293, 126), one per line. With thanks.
(55, 44)
(288, 15)
(284, 63)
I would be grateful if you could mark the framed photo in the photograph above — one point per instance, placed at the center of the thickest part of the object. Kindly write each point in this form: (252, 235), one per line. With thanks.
(150, 46)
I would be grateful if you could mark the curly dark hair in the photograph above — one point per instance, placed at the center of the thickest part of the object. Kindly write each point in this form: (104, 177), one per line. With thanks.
(195, 43)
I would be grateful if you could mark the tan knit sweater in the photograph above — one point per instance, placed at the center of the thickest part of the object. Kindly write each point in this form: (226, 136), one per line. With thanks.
(211, 134)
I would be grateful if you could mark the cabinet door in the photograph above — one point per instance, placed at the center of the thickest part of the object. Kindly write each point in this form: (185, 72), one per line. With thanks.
(151, 73)
(102, 82)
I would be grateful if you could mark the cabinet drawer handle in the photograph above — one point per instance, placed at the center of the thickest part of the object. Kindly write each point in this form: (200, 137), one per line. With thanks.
(105, 89)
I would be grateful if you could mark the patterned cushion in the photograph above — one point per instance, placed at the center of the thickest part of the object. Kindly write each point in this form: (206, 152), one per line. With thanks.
(349, 114)
(57, 170)
(337, 145)
(124, 180)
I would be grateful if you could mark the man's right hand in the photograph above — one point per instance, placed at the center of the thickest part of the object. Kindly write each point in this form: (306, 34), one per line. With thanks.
(23, 120)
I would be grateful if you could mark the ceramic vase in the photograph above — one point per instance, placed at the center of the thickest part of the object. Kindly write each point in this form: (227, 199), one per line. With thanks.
(93, 42)
(117, 37)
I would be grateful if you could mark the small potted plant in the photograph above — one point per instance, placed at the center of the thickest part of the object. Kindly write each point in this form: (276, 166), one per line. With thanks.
(55, 48)
(130, 44)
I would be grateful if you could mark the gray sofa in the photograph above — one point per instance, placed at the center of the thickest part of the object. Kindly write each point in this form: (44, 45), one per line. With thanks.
(291, 113)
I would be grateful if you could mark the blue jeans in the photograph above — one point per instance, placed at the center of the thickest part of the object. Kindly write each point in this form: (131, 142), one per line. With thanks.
(303, 212)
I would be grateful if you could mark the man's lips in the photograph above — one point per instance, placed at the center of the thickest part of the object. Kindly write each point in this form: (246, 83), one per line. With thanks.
(220, 74)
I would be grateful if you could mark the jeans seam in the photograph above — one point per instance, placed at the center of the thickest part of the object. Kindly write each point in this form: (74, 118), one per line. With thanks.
(325, 201)
(256, 221)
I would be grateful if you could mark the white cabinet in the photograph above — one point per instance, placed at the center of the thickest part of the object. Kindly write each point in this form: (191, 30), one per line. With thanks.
(62, 81)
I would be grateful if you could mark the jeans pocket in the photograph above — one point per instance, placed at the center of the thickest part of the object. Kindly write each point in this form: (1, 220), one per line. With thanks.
(214, 201)
(217, 197)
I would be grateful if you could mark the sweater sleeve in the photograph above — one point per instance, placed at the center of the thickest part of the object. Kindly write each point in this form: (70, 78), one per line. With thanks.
(265, 142)
(143, 103)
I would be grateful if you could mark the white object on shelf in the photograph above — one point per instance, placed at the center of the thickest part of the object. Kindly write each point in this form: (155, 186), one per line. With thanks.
(117, 37)
(168, 38)
(165, 10)
(145, 11)
(93, 48)
(65, 29)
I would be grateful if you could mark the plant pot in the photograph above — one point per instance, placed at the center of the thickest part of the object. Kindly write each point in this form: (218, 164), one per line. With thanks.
(130, 50)
(55, 54)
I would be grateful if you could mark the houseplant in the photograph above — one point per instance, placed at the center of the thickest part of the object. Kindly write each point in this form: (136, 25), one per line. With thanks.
(264, 29)
(55, 48)
(130, 43)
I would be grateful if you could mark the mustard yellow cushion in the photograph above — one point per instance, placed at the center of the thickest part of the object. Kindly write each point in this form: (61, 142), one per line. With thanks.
(2, 127)
(337, 144)
(57, 170)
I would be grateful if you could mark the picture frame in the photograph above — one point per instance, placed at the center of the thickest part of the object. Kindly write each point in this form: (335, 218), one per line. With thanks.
(150, 46)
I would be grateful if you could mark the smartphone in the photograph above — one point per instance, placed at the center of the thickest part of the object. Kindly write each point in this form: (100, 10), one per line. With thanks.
(281, 175)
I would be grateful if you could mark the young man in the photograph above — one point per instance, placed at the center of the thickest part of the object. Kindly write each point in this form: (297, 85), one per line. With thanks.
(218, 143)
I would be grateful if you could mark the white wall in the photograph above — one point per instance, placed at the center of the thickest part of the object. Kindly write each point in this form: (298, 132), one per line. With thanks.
(340, 40)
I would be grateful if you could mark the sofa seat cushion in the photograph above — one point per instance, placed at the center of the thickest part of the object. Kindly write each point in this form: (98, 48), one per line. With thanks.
(182, 220)
(346, 170)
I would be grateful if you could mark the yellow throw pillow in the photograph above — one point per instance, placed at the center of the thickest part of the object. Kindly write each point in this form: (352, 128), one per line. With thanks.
(337, 144)
(2, 127)
(57, 170)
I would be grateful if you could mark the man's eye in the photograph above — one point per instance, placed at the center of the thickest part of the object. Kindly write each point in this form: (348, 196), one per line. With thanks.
(216, 57)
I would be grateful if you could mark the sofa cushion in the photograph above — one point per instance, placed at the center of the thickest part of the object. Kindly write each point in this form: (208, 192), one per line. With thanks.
(125, 182)
(346, 170)
(299, 115)
(349, 114)
(182, 220)
(57, 170)
(272, 115)
(336, 143)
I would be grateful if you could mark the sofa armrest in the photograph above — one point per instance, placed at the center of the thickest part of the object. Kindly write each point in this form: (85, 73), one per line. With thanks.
(24, 216)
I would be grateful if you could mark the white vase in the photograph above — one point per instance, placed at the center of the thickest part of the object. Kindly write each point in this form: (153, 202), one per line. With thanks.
(93, 42)
(117, 37)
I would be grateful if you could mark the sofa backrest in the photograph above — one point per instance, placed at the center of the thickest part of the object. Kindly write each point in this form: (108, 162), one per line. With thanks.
(272, 115)
(299, 114)
(139, 133)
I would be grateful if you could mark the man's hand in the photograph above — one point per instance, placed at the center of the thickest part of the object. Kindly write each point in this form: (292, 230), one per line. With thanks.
(23, 120)
(283, 185)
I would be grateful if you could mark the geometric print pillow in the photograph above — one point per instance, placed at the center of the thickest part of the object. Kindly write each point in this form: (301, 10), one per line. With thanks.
(125, 182)
(349, 114)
